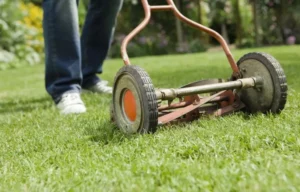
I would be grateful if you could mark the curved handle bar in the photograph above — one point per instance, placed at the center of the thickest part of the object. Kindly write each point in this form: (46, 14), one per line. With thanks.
(171, 6)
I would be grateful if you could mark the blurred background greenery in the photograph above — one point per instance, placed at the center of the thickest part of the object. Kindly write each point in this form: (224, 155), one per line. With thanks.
(243, 23)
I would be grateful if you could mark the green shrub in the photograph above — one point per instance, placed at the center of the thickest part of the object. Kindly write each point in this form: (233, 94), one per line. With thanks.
(21, 39)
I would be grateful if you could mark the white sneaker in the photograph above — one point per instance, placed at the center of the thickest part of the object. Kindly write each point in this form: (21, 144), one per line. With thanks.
(71, 103)
(100, 87)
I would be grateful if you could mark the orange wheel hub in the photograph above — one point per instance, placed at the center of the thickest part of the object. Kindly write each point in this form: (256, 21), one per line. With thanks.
(129, 104)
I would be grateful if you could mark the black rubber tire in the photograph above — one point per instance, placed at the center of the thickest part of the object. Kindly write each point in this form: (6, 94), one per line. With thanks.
(278, 80)
(144, 89)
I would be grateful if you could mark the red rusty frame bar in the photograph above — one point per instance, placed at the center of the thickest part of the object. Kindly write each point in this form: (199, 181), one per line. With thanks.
(171, 6)
(228, 109)
(174, 106)
(185, 103)
(209, 110)
(180, 112)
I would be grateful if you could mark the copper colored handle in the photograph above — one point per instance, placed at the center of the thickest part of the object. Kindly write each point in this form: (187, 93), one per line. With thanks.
(171, 6)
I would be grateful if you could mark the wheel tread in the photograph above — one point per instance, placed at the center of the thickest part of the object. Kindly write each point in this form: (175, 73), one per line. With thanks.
(267, 58)
(150, 95)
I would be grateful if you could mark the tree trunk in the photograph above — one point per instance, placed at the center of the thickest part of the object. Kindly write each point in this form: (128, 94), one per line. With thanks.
(199, 10)
(179, 26)
(281, 14)
(238, 20)
(224, 32)
(86, 4)
(256, 17)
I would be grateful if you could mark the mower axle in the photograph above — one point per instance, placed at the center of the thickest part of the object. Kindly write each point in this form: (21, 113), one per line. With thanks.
(168, 94)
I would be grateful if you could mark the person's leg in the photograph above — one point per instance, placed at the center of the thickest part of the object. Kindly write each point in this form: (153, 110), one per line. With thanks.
(96, 37)
(62, 47)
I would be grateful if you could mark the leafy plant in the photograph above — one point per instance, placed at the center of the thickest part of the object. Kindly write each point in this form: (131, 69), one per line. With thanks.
(21, 39)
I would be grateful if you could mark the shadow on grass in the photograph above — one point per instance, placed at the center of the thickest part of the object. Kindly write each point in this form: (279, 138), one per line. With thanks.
(108, 133)
(26, 105)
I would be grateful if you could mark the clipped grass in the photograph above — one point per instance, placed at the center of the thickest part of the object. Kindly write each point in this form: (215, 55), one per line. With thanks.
(44, 151)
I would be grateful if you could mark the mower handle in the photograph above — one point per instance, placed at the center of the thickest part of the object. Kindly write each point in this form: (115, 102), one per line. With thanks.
(171, 6)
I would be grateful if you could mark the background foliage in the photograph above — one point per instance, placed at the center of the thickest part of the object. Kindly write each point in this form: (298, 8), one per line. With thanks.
(21, 40)
(243, 23)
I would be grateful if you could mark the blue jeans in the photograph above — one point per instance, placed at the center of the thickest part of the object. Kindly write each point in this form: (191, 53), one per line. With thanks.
(73, 61)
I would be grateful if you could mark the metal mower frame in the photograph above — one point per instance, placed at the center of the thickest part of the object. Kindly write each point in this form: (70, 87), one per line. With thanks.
(257, 84)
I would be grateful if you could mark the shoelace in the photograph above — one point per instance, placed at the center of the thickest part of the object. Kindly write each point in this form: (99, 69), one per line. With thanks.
(68, 97)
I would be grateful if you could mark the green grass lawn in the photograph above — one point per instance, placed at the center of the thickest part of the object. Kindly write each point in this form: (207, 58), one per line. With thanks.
(40, 150)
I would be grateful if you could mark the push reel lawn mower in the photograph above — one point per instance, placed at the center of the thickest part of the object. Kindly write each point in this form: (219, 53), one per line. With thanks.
(257, 84)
